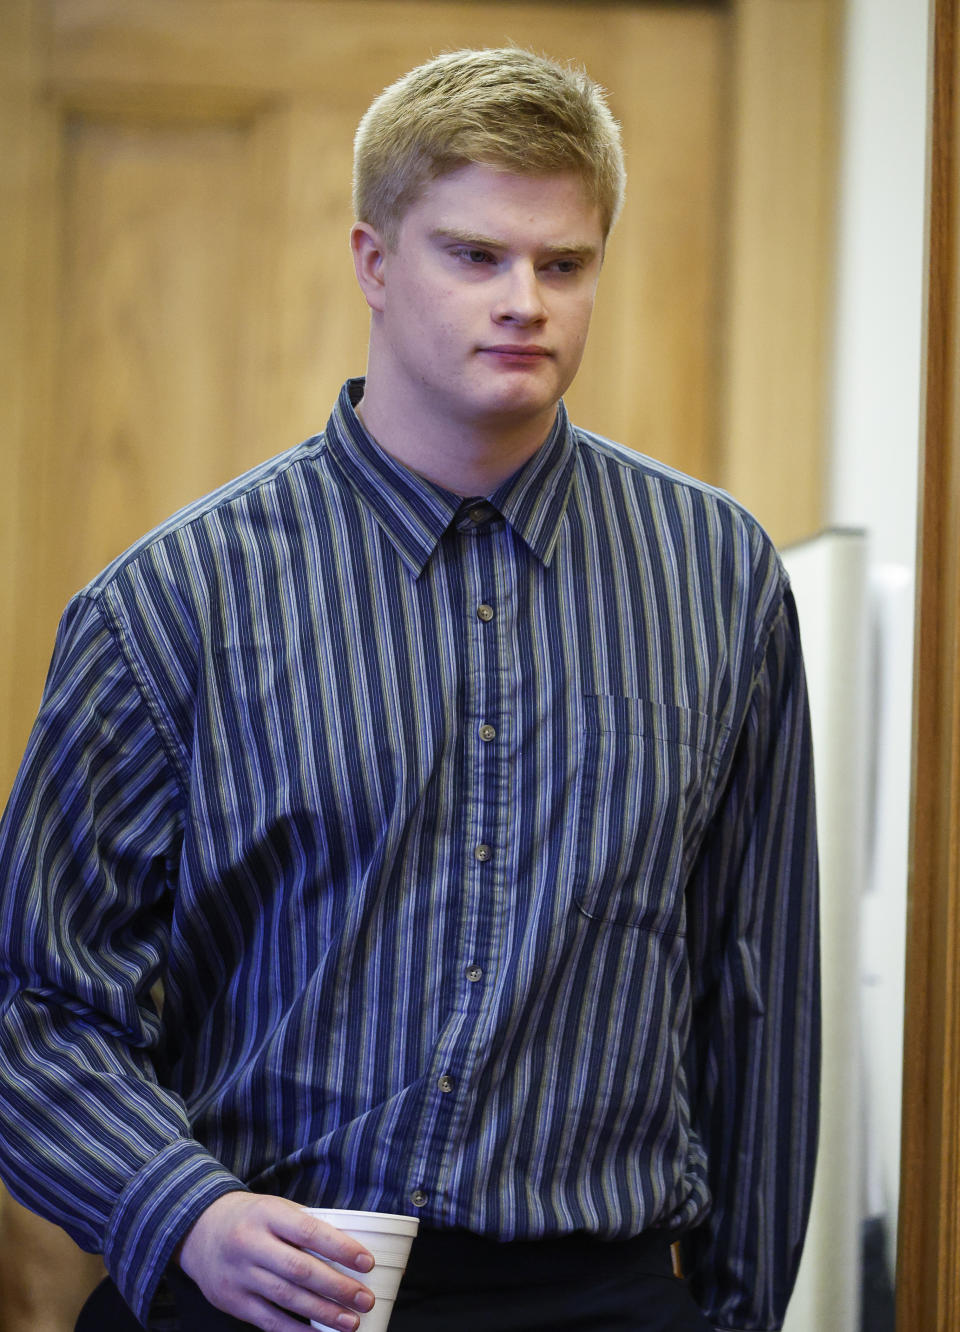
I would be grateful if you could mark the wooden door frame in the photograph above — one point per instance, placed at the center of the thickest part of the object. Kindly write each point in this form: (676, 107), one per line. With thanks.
(928, 1269)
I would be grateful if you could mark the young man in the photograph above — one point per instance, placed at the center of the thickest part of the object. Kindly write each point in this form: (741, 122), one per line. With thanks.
(452, 773)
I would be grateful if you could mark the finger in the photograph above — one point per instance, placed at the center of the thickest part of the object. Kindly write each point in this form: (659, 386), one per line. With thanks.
(289, 1270)
(296, 1225)
(295, 1299)
(267, 1316)
(268, 1302)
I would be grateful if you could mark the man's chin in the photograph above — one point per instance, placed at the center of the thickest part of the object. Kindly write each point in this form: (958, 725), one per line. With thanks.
(518, 404)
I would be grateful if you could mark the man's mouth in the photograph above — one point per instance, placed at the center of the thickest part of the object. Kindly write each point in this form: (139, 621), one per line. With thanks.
(517, 351)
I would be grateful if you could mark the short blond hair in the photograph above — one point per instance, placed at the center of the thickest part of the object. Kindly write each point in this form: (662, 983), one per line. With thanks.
(503, 107)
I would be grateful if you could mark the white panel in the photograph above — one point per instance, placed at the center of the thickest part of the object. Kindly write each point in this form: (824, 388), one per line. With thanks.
(885, 902)
(829, 581)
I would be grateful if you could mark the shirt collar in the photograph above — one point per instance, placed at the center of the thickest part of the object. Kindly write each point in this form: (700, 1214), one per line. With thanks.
(414, 512)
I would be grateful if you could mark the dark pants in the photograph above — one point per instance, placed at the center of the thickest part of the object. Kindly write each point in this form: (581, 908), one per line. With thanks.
(456, 1280)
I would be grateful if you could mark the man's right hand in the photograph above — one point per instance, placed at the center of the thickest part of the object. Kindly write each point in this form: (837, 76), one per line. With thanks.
(246, 1253)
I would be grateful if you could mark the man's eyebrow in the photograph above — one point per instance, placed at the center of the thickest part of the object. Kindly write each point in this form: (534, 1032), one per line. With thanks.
(466, 238)
(585, 251)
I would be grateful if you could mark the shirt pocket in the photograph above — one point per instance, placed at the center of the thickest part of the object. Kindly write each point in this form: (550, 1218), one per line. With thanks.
(643, 773)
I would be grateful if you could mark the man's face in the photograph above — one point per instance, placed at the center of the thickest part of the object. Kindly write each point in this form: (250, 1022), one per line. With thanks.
(481, 308)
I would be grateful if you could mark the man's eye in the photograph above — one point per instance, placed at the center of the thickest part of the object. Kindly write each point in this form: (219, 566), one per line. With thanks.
(473, 256)
(566, 266)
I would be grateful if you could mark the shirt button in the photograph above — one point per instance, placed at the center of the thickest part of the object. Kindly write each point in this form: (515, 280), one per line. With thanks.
(418, 1198)
(487, 732)
(445, 1083)
(474, 973)
(484, 611)
(483, 852)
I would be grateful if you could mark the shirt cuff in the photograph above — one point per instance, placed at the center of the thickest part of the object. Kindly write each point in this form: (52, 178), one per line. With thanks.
(154, 1212)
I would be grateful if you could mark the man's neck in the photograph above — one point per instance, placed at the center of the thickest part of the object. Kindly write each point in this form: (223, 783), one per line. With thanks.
(465, 457)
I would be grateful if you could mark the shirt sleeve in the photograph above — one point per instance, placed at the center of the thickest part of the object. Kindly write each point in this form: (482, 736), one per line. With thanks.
(754, 1053)
(88, 852)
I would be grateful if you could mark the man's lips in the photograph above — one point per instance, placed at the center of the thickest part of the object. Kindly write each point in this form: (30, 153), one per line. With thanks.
(517, 351)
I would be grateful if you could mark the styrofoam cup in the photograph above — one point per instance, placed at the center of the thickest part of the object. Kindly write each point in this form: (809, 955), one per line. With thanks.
(388, 1236)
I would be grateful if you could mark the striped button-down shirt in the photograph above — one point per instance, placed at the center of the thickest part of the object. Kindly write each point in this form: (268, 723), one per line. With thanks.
(473, 845)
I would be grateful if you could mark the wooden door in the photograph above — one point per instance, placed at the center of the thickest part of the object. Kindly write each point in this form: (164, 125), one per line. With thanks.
(181, 301)
(928, 1251)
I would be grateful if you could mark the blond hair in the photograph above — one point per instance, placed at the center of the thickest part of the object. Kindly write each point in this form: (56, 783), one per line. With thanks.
(503, 107)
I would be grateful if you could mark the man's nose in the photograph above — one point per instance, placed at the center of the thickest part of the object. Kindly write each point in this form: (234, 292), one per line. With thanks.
(521, 298)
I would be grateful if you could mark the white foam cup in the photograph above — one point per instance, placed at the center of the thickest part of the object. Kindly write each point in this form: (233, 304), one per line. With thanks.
(388, 1236)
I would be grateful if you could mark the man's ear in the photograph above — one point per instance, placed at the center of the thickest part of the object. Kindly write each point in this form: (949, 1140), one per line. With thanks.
(369, 255)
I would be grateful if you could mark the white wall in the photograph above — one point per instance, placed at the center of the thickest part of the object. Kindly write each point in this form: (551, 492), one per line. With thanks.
(829, 577)
(876, 398)
(875, 426)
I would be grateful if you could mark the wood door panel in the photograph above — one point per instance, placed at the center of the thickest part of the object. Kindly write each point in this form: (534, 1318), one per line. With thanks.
(649, 375)
(329, 46)
(316, 322)
(202, 326)
(152, 318)
(17, 144)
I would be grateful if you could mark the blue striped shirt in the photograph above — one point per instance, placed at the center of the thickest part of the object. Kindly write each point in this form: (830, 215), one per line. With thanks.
(473, 844)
